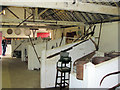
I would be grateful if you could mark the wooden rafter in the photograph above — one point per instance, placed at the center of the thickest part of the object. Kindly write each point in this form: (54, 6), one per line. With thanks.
(83, 7)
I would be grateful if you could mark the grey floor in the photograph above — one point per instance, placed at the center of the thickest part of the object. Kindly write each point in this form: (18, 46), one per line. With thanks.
(16, 75)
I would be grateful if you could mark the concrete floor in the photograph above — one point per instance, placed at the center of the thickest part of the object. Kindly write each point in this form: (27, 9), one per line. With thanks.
(16, 75)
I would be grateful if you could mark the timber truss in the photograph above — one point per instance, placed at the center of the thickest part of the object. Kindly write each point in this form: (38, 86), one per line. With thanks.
(64, 14)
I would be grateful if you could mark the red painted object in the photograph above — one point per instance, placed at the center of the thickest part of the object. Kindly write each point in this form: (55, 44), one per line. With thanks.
(0, 43)
(43, 35)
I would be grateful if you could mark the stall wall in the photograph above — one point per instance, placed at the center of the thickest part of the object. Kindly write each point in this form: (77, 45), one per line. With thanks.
(93, 75)
(32, 59)
(109, 37)
(48, 65)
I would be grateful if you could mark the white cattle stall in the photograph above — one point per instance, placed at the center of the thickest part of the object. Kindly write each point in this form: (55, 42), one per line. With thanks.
(49, 59)
(33, 62)
(24, 46)
(93, 75)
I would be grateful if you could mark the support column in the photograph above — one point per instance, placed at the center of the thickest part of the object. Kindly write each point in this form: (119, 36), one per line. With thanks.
(35, 14)
(119, 45)
(43, 70)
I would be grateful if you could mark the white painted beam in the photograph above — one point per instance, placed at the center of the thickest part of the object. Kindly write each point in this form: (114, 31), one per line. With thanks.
(50, 22)
(67, 5)
(29, 26)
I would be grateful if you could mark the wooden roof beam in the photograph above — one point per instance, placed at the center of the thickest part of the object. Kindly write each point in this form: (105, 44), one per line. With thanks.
(49, 22)
(83, 7)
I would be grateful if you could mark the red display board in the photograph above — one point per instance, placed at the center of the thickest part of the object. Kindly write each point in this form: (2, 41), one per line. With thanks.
(43, 35)
(0, 43)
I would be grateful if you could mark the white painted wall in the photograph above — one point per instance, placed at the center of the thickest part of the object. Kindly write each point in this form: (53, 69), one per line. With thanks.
(106, 68)
(109, 37)
(13, 35)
